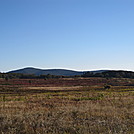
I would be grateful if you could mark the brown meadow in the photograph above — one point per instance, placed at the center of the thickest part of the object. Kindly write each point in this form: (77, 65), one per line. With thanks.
(30, 109)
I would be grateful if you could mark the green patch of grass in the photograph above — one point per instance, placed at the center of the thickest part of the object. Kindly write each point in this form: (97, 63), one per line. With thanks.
(98, 97)
(6, 98)
(19, 99)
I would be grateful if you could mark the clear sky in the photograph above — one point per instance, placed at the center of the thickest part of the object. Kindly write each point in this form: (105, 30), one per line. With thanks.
(72, 34)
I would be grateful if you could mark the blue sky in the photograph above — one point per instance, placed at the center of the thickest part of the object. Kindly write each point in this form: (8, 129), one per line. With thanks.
(72, 34)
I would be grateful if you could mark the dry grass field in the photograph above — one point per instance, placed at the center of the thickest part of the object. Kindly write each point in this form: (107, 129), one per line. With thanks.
(33, 109)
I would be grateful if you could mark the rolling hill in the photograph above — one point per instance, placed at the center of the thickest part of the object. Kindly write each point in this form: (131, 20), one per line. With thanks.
(37, 71)
(64, 72)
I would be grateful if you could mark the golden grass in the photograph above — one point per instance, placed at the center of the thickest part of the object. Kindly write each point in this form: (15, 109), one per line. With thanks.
(72, 112)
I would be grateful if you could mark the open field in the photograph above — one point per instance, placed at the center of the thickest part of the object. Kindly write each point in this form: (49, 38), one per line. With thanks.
(67, 106)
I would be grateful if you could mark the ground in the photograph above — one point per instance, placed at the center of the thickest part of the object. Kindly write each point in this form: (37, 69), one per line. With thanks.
(67, 106)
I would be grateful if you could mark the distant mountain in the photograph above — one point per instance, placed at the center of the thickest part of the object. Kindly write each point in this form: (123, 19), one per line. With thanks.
(64, 72)
(36, 71)
(98, 71)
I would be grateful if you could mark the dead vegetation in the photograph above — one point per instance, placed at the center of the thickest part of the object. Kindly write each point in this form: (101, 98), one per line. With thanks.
(83, 110)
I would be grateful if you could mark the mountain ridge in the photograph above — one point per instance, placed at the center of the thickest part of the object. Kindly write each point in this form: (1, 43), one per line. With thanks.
(64, 72)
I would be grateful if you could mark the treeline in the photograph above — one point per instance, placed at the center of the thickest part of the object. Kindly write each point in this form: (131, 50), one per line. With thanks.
(28, 76)
(106, 74)
(110, 74)
(32, 76)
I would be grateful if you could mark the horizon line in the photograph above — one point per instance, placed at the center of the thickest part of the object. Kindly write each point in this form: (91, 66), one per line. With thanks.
(65, 69)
